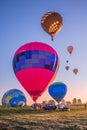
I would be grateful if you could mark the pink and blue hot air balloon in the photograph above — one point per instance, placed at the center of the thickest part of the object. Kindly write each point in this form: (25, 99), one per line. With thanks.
(57, 91)
(35, 65)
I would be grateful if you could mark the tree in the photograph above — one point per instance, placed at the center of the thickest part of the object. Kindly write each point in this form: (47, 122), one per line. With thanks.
(68, 103)
(74, 101)
(79, 101)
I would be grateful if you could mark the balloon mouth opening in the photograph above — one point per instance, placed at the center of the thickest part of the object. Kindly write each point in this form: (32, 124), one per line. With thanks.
(35, 94)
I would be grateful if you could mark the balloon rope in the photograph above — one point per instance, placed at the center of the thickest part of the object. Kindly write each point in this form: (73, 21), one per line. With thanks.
(52, 38)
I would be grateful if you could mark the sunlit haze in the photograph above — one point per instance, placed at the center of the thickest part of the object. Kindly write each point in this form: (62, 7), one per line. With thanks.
(20, 23)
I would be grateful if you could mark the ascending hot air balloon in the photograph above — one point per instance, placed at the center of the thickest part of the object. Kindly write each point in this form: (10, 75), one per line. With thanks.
(75, 71)
(52, 23)
(35, 65)
(67, 67)
(57, 91)
(70, 49)
(13, 98)
(67, 61)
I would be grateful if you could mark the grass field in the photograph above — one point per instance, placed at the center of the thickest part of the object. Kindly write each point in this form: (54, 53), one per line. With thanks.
(28, 119)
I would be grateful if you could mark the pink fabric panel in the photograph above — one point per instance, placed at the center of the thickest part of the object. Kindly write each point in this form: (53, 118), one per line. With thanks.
(35, 46)
(35, 79)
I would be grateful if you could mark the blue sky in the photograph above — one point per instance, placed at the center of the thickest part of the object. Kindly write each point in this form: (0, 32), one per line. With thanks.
(20, 23)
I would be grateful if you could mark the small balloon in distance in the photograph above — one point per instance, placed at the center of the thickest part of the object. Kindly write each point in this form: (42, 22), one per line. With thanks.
(67, 67)
(70, 49)
(67, 61)
(75, 71)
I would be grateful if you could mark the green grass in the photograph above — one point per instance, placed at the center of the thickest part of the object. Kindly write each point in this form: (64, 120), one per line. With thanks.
(28, 119)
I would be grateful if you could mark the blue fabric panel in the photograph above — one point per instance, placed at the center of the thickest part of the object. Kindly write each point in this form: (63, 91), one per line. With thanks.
(35, 59)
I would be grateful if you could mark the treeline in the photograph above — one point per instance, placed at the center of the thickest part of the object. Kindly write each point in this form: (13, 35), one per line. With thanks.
(74, 102)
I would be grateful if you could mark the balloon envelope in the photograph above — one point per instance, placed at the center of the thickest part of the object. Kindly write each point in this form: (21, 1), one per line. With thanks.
(75, 71)
(67, 67)
(57, 91)
(35, 65)
(70, 49)
(13, 98)
(52, 23)
(67, 61)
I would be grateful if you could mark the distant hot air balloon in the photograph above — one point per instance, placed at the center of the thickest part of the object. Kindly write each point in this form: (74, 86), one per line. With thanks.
(57, 91)
(70, 49)
(35, 65)
(75, 71)
(13, 98)
(67, 61)
(52, 23)
(67, 67)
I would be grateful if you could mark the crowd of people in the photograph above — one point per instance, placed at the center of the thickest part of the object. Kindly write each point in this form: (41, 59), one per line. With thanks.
(60, 107)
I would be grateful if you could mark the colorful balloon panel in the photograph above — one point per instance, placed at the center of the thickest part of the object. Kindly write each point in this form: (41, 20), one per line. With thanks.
(14, 98)
(57, 91)
(35, 65)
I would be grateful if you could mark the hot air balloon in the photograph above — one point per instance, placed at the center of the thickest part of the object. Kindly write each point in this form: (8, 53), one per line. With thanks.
(52, 23)
(67, 61)
(35, 65)
(75, 71)
(57, 91)
(67, 67)
(70, 49)
(14, 98)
